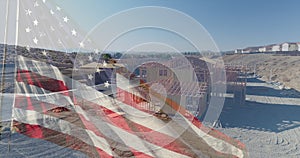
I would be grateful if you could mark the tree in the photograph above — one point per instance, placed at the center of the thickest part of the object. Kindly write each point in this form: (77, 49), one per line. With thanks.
(106, 56)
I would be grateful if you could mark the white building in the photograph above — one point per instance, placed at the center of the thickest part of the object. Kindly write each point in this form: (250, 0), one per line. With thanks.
(289, 47)
(275, 48)
(293, 47)
(238, 51)
(285, 47)
(251, 50)
(262, 49)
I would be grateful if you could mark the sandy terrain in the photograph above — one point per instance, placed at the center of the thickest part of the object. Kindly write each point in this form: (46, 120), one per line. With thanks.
(285, 69)
(268, 124)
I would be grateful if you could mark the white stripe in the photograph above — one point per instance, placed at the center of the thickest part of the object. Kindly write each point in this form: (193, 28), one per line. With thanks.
(48, 97)
(159, 126)
(79, 110)
(155, 124)
(143, 146)
(131, 140)
(217, 144)
(100, 142)
(144, 118)
(53, 123)
(137, 143)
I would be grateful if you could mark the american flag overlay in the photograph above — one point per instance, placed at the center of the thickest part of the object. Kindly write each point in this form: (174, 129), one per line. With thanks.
(55, 112)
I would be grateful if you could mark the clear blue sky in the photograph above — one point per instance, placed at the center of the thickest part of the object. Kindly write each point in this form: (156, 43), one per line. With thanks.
(231, 23)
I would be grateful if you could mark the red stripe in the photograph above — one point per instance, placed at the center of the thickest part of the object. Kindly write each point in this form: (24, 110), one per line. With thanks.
(131, 99)
(89, 125)
(47, 83)
(174, 105)
(35, 131)
(86, 124)
(44, 82)
(38, 133)
(22, 102)
(120, 122)
(32, 78)
(146, 133)
(60, 139)
(138, 154)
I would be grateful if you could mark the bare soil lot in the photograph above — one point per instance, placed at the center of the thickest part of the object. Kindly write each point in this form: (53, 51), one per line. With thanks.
(278, 68)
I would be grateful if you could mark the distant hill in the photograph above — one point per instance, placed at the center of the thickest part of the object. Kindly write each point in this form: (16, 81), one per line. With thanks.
(278, 68)
(56, 58)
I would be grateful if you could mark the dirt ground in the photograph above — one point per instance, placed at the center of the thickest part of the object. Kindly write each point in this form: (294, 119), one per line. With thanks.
(278, 68)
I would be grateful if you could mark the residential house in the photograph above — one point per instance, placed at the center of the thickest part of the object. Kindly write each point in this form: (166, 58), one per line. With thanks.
(293, 46)
(238, 51)
(275, 48)
(251, 50)
(285, 47)
(262, 49)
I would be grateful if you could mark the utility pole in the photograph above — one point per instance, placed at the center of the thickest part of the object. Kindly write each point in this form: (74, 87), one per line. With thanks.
(16, 49)
(3, 73)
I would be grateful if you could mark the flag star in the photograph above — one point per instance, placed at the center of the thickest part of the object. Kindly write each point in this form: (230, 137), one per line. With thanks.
(90, 77)
(106, 84)
(35, 22)
(51, 12)
(44, 53)
(28, 48)
(36, 4)
(81, 44)
(104, 64)
(66, 19)
(90, 58)
(58, 8)
(59, 41)
(35, 40)
(98, 70)
(27, 29)
(74, 33)
(28, 12)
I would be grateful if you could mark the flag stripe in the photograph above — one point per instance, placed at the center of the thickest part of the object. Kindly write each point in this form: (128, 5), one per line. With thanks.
(217, 144)
(69, 118)
(123, 124)
(123, 128)
(140, 113)
(95, 134)
(60, 138)
(146, 133)
(47, 83)
(39, 120)
(118, 121)
(130, 140)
